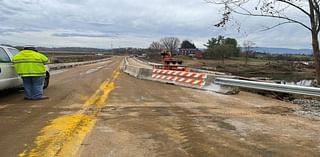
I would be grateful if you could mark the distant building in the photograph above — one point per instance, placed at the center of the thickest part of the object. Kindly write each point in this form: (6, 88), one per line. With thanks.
(195, 53)
(199, 54)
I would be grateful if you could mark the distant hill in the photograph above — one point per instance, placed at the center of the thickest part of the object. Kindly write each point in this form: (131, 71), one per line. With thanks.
(272, 50)
(73, 49)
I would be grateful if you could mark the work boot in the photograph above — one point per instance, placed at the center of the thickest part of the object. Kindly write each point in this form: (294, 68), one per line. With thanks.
(42, 98)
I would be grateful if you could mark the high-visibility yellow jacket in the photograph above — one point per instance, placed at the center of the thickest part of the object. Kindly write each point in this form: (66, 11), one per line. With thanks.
(30, 63)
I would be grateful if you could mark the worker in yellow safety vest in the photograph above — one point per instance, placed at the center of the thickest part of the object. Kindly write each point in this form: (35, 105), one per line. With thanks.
(30, 65)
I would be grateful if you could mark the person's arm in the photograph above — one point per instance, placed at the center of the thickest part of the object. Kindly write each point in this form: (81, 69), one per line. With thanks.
(44, 58)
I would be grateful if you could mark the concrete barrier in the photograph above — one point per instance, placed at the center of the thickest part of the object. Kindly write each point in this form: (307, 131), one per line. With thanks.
(135, 71)
(221, 89)
(182, 78)
(145, 74)
(132, 70)
(140, 61)
(73, 64)
(207, 79)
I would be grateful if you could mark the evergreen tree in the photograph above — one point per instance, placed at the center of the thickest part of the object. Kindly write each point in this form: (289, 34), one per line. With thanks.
(187, 45)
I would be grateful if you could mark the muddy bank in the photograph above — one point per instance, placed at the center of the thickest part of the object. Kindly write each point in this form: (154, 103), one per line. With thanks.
(291, 71)
(67, 58)
(288, 71)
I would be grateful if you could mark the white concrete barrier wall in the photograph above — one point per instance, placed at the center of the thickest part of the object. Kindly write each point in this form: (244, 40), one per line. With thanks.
(146, 74)
(132, 70)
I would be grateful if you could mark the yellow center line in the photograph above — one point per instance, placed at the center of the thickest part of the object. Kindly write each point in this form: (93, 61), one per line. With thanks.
(64, 135)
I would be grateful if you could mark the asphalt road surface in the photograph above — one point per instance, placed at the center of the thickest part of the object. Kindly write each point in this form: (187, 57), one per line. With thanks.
(98, 111)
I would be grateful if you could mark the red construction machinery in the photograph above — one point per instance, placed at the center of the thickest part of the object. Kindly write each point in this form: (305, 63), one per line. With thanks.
(170, 63)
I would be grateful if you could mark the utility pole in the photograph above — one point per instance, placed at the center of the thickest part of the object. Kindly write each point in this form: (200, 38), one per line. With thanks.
(111, 49)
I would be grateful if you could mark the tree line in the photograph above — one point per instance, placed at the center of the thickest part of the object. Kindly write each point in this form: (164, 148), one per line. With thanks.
(216, 48)
(222, 48)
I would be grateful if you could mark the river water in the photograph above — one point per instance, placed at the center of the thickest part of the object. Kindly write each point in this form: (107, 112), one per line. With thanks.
(293, 79)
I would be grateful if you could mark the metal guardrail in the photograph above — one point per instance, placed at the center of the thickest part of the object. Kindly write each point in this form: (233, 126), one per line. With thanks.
(57, 66)
(269, 86)
(227, 80)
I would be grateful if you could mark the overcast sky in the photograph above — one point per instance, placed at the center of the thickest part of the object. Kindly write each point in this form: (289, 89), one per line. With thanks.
(131, 23)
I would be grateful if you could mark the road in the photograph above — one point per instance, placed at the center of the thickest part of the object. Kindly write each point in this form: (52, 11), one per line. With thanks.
(132, 61)
(97, 111)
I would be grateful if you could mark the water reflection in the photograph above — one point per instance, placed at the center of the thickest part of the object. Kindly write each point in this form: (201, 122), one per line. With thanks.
(306, 83)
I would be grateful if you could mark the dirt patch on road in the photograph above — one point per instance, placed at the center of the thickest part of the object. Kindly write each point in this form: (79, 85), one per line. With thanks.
(276, 110)
(176, 131)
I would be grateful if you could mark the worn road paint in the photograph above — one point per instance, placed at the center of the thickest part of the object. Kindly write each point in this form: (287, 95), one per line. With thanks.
(92, 70)
(64, 135)
(55, 72)
(107, 89)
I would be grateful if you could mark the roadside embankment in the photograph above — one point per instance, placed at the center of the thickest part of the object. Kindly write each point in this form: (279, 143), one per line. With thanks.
(58, 66)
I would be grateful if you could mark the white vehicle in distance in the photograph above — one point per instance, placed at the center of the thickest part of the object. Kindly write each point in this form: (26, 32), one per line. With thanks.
(8, 77)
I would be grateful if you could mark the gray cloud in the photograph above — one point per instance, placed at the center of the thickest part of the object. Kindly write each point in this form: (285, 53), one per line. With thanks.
(18, 30)
(85, 35)
(125, 22)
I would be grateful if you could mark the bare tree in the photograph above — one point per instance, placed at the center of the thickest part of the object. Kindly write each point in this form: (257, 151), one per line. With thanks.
(170, 43)
(278, 9)
(247, 48)
(156, 45)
